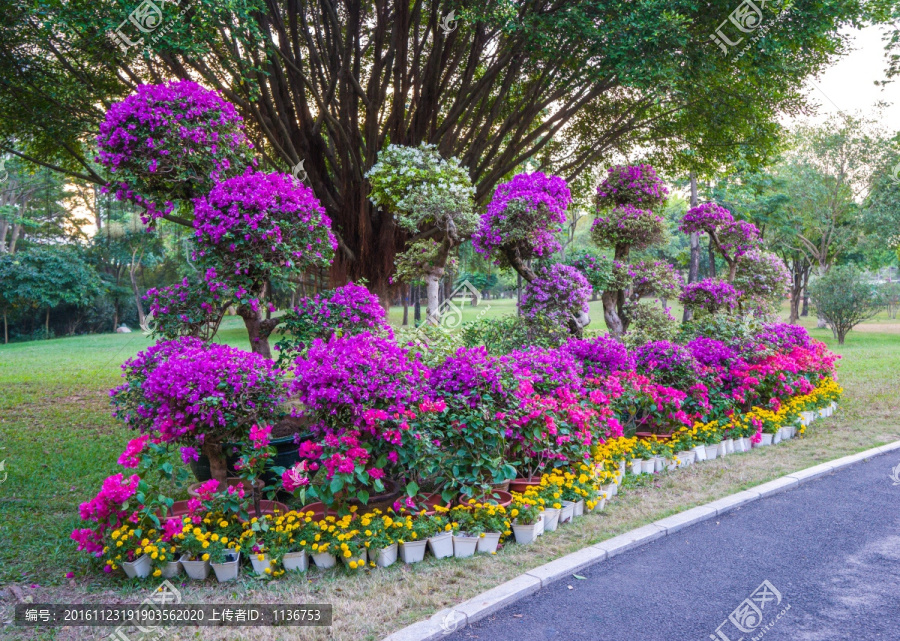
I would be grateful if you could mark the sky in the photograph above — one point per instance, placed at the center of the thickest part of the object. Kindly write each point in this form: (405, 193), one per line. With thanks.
(848, 85)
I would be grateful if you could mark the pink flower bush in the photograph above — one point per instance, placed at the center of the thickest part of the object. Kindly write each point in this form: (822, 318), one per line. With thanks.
(131, 456)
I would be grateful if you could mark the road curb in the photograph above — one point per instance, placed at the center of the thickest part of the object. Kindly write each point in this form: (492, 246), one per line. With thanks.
(455, 618)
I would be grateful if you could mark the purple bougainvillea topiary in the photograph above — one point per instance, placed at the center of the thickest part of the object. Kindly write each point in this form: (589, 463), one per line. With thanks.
(711, 295)
(171, 142)
(632, 185)
(558, 293)
(524, 216)
(257, 226)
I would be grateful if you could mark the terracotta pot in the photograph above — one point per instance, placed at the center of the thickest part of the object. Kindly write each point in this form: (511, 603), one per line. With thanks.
(179, 510)
(318, 510)
(503, 487)
(522, 484)
(267, 507)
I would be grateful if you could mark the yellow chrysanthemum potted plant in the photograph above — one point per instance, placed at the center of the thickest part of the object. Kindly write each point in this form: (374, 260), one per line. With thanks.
(413, 538)
(525, 517)
(322, 546)
(378, 531)
(491, 521)
(441, 541)
(465, 530)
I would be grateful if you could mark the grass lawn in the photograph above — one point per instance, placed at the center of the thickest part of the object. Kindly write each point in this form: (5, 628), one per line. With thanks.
(59, 442)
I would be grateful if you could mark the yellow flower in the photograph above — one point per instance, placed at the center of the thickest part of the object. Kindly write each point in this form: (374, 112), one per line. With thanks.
(205, 557)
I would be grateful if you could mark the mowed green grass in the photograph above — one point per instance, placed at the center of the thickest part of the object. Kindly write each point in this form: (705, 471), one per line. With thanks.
(59, 442)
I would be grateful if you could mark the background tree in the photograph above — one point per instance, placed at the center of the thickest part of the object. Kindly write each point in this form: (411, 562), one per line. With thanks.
(844, 299)
(46, 277)
(331, 83)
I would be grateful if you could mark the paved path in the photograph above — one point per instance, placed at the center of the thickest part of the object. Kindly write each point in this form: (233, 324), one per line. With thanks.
(829, 548)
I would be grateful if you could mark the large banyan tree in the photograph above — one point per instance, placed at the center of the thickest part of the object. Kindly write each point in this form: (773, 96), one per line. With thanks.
(329, 83)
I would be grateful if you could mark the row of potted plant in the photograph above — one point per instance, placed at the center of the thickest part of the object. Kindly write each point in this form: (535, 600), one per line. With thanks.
(737, 433)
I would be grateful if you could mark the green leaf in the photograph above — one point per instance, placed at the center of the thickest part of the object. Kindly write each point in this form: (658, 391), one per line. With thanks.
(579, 577)
(337, 484)
(412, 488)
(363, 496)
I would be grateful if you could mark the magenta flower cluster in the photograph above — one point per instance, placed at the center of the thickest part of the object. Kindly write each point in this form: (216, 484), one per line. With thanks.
(339, 379)
(351, 309)
(667, 362)
(632, 185)
(627, 225)
(524, 214)
(171, 141)
(473, 376)
(600, 356)
(705, 217)
(257, 225)
(710, 294)
(558, 293)
(184, 390)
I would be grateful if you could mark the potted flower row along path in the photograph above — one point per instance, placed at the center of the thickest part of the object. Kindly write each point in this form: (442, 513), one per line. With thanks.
(400, 457)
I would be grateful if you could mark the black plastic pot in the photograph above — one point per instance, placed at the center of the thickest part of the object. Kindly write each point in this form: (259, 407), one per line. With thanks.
(286, 456)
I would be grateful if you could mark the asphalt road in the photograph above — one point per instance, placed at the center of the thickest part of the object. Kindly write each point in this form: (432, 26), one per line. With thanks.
(829, 549)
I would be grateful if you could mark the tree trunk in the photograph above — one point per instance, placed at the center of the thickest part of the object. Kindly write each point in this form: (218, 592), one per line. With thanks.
(3, 227)
(805, 311)
(17, 228)
(137, 294)
(5, 329)
(433, 294)
(614, 300)
(712, 260)
(406, 305)
(218, 465)
(258, 330)
(47, 324)
(796, 291)
(694, 264)
(417, 306)
(821, 323)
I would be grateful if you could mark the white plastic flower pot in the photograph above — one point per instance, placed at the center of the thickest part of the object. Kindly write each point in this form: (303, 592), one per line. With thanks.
(671, 464)
(551, 519)
(765, 440)
(722, 449)
(464, 546)
(659, 464)
(171, 569)
(648, 466)
(579, 508)
(729, 445)
(740, 445)
(195, 569)
(567, 513)
(386, 557)
(776, 437)
(359, 559)
(712, 451)
(541, 522)
(599, 505)
(524, 533)
(488, 542)
(700, 453)
(613, 488)
(296, 561)
(228, 571)
(324, 560)
(260, 565)
(637, 466)
(621, 469)
(686, 458)
(413, 551)
(139, 568)
(441, 545)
